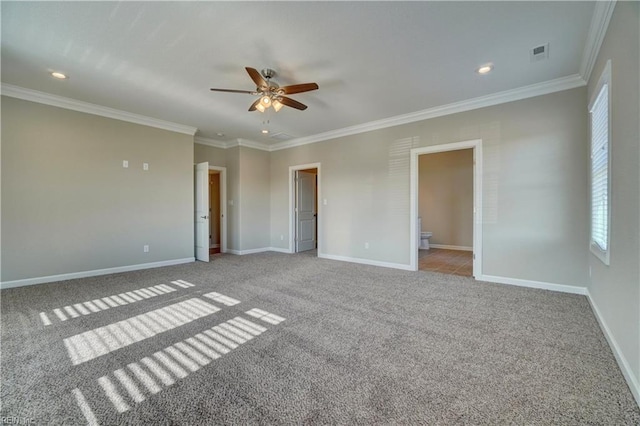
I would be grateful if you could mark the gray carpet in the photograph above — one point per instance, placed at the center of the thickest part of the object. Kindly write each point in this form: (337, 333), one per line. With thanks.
(311, 341)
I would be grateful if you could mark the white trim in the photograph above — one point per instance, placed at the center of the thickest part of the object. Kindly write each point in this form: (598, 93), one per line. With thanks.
(94, 273)
(538, 89)
(627, 372)
(249, 251)
(449, 247)
(210, 142)
(476, 145)
(75, 105)
(602, 12)
(231, 144)
(366, 262)
(223, 206)
(251, 144)
(279, 250)
(258, 250)
(292, 202)
(563, 288)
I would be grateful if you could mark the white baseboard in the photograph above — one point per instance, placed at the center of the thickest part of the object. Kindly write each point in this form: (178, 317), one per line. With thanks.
(448, 247)
(632, 381)
(280, 250)
(563, 288)
(96, 272)
(258, 250)
(366, 261)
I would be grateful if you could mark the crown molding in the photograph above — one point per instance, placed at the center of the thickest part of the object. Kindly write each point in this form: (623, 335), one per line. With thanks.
(597, 30)
(210, 142)
(75, 105)
(253, 144)
(230, 144)
(538, 89)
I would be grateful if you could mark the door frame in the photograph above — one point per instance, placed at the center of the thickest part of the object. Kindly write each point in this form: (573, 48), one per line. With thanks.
(292, 204)
(476, 145)
(223, 207)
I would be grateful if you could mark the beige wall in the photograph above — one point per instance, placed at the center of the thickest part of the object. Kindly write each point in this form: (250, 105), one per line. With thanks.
(215, 156)
(69, 206)
(233, 198)
(254, 198)
(615, 289)
(445, 196)
(534, 187)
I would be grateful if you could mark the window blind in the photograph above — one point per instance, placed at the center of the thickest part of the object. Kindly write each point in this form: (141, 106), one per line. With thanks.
(600, 169)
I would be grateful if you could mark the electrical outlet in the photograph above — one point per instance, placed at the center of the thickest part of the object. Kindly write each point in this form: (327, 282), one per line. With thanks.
(145, 249)
(145, 166)
(125, 164)
(366, 245)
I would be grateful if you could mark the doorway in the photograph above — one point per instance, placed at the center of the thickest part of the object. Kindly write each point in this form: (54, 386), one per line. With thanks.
(456, 253)
(210, 210)
(304, 208)
(215, 240)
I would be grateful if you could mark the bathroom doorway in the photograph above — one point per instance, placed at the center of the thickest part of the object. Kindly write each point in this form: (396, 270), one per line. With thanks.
(446, 208)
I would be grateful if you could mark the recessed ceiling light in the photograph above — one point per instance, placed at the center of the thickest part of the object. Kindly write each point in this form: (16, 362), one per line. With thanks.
(485, 69)
(265, 131)
(58, 75)
(220, 134)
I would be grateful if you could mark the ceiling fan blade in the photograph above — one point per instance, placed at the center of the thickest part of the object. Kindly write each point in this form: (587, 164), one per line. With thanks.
(253, 105)
(256, 77)
(291, 103)
(299, 88)
(235, 91)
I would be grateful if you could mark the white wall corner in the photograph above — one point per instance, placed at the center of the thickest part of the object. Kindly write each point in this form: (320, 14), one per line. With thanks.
(597, 30)
(75, 105)
(627, 372)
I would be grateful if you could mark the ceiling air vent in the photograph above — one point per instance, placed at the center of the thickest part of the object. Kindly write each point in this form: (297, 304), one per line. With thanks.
(539, 53)
(281, 136)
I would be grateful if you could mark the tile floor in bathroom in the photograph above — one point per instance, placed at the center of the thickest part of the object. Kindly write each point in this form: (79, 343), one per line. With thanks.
(454, 262)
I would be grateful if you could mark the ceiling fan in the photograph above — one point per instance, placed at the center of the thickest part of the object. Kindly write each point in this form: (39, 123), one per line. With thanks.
(272, 95)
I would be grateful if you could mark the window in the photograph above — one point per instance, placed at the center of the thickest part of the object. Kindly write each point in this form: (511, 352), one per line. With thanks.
(599, 111)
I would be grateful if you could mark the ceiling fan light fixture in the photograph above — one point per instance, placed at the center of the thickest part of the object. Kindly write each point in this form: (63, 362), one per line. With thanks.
(277, 105)
(266, 100)
(260, 107)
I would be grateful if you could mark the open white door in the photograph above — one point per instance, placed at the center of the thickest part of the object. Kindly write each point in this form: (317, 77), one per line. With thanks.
(202, 211)
(305, 211)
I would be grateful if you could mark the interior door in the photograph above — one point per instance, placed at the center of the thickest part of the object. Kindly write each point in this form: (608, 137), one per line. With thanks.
(305, 210)
(202, 211)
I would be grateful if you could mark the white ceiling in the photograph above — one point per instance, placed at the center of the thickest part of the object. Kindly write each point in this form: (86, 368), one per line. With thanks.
(372, 60)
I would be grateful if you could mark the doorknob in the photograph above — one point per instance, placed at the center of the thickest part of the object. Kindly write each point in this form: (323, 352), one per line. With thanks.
(204, 217)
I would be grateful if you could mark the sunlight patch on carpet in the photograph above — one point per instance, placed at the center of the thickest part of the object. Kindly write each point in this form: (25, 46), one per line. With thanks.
(100, 341)
(114, 301)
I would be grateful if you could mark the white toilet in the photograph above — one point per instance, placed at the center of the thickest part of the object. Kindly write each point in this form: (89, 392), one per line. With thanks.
(424, 236)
